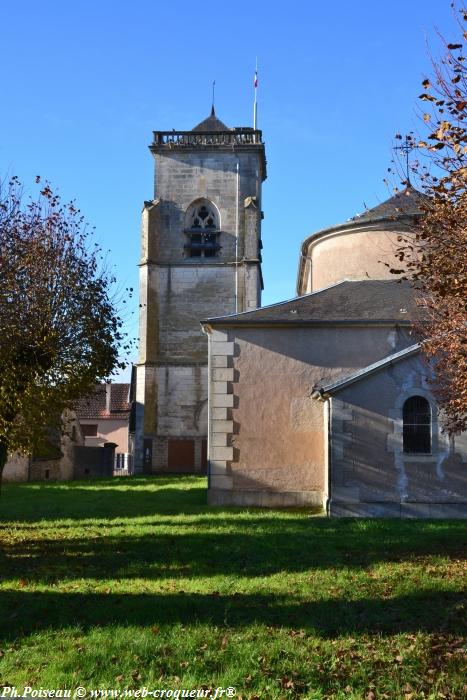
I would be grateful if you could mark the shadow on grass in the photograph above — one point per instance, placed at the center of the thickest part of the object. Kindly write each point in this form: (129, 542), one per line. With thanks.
(128, 497)
(249, 550)
(432, 611)
(205, 543)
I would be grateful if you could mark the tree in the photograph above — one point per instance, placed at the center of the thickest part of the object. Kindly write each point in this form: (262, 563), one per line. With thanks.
(436, 259)
(59, 330)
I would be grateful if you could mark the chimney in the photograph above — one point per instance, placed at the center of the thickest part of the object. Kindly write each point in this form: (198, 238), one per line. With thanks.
(108, 391)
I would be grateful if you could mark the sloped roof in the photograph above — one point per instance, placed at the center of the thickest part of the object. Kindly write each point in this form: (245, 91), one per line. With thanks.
(94, 405)
(399, 210)
(322, 392)
(403, 205)
(211, 123)
(408, 202)
(347, 301)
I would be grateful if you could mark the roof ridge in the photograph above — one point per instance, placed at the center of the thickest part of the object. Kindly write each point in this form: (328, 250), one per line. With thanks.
(366, 300)
(363, 218)
(410, 192)
(279, 303)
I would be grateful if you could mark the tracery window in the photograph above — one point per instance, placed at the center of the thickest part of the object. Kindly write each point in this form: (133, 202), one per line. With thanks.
(416, 415)
(202, 228)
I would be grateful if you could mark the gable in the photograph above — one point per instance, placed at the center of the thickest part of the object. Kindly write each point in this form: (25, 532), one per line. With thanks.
(324, 391)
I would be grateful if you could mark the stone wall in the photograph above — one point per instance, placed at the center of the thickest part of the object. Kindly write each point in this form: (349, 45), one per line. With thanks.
(364, 252)
(181, 178)
(16, 468)
(177, 292)
(267, 443)
(371, 475)
(25, 468)
(185, 296)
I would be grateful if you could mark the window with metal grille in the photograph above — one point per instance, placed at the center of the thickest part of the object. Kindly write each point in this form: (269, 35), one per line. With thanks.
(416, 415)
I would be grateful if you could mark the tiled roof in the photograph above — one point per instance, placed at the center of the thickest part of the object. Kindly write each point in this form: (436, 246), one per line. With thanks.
(119, 397)
(350, 301)
(94, 406)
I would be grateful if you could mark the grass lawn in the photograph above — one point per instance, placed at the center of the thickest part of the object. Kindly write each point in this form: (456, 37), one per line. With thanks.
(136, 582)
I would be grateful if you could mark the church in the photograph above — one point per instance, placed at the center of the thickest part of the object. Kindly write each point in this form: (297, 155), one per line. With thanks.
(201, 257)
(321, 400)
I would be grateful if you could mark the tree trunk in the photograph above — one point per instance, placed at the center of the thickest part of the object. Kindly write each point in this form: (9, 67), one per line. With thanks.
(3, 459)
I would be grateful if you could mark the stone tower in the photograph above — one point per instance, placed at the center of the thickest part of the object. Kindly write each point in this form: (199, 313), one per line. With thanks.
(201, 257)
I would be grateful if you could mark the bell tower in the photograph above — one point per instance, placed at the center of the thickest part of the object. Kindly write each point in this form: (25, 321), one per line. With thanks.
(201, 257)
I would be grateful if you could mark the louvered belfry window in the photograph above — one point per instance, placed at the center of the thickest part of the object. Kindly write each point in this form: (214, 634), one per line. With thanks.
(416, 414)
(202, 229)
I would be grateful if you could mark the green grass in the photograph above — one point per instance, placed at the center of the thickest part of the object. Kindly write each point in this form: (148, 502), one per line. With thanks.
(136, 582)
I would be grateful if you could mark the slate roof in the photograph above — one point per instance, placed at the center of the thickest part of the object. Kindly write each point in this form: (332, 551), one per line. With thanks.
(349, 301)
(211, 123)
(94, 406)
(400, 209)
(404, 203)
(322, 392)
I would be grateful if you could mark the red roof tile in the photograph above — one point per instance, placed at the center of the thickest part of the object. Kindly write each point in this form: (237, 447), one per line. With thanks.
(95, 405)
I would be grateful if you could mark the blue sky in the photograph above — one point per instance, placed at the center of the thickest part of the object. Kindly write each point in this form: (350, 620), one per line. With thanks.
(85, 83)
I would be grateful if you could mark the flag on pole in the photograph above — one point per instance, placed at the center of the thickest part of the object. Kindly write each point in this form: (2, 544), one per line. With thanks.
(255, 83)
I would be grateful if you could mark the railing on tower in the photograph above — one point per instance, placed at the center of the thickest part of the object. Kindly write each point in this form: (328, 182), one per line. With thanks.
(240, 137)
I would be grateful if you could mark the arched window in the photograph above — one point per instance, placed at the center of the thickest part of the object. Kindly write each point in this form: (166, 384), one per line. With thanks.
(202, 228)
(416, 414)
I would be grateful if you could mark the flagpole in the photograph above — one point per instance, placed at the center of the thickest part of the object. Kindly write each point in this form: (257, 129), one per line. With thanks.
(255, 106)
(237, 199)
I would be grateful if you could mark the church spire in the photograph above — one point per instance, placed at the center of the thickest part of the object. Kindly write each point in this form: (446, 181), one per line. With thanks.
(211, 123)
(213, 111)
